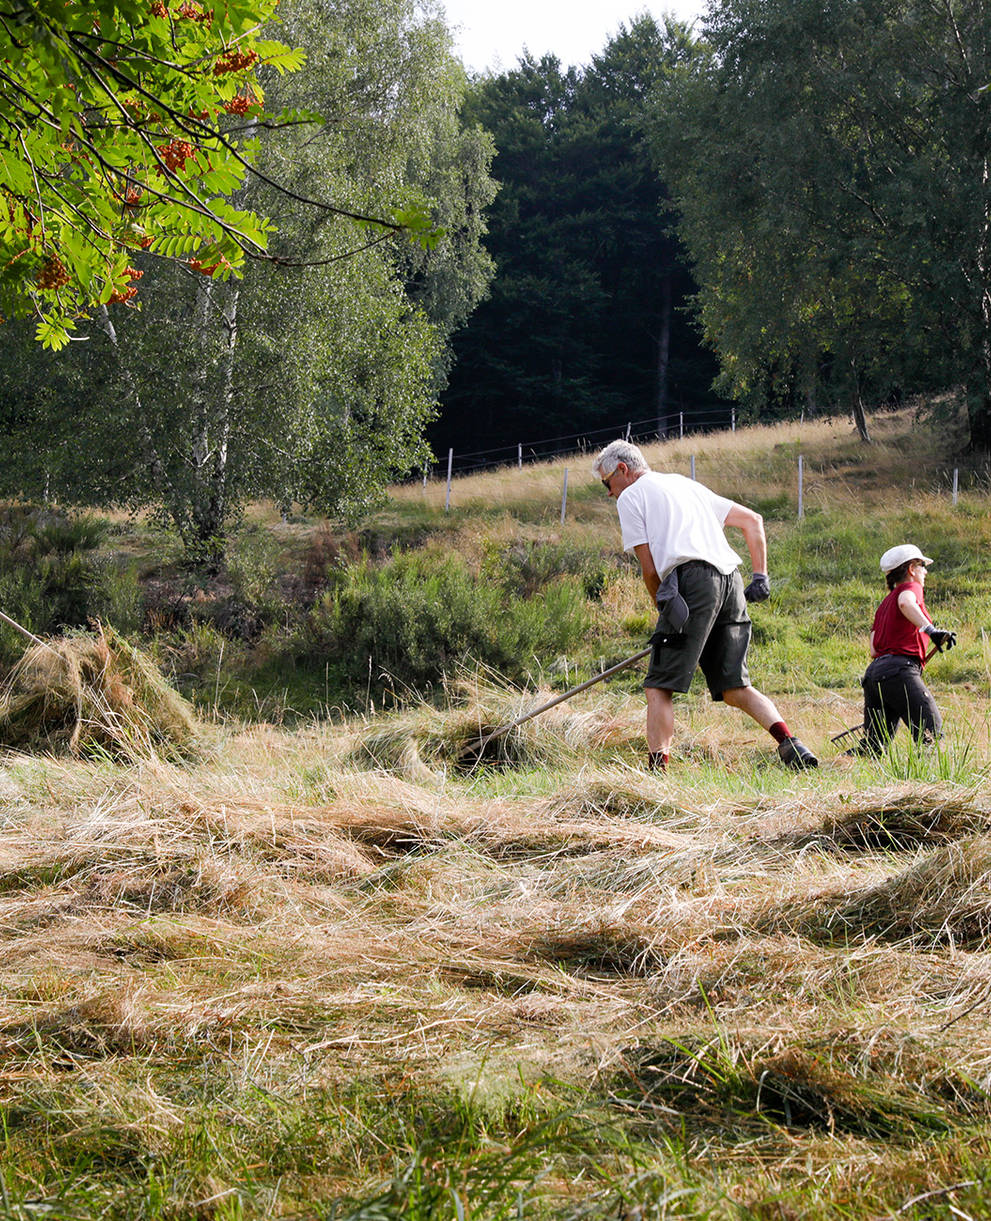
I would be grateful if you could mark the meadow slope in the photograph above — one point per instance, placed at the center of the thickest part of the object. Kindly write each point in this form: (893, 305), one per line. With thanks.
(333, 969)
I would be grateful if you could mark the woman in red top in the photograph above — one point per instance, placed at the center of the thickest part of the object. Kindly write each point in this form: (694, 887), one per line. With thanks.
(900, 639)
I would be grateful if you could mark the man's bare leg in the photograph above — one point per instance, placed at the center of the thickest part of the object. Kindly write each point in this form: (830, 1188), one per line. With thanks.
(754, 704)
(660, 720)
(660, 713)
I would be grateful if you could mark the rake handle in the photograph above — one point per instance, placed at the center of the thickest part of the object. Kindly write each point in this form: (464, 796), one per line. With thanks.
(24, 632)
(559, 699)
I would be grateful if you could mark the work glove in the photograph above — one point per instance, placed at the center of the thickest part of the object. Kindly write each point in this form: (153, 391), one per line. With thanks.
(670, 602)
(940, 637)
(759, 589)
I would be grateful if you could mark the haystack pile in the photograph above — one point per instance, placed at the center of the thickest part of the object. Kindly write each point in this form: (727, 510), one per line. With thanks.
(423, 740)
(94, 691)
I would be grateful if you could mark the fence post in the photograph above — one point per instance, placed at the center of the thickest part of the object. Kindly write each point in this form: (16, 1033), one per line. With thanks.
(693, 466)
(628, 428)
(801, 489)
(450, 464)
(732, 420)
(681, 424)
(564, 496)
(519, 455)
(956, 483)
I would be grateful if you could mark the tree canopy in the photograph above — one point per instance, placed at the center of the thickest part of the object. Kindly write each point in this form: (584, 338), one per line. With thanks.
(829, 161)
(128, 125)
(584, 325)
(309, 383)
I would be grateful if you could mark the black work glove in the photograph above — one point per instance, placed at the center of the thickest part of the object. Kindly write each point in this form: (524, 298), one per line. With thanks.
(940, 637)
(759, 589)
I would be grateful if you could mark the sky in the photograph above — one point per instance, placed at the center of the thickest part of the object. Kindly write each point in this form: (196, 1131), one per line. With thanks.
(493, 33)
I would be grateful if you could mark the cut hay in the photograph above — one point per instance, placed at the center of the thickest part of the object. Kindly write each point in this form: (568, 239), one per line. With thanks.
(429, 741)
(622, 793)
(423, 740)
(739, 1082)
(610, 950)
(942, 899)
(903, 816)
(94, 692)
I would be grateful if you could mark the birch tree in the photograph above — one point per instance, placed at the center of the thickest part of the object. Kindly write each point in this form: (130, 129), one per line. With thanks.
(309, 379)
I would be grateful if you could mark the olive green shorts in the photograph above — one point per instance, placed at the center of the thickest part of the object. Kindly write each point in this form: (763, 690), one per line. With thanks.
(715, 637)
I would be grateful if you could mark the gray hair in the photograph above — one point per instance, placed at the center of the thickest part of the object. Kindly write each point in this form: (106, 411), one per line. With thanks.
(617, 452)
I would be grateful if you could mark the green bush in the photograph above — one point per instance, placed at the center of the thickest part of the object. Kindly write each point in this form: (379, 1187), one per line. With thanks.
(50, 580)
(528, 566)
(254, 565)
(421, 616)
(66, 535)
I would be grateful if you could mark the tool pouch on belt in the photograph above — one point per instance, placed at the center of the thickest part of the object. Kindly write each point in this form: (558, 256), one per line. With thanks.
(673, 610)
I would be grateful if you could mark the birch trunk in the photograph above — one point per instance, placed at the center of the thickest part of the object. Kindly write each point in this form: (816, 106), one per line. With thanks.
(167, 491)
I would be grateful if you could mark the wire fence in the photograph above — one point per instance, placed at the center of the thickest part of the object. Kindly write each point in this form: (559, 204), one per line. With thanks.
(714, 418)
(676, 425)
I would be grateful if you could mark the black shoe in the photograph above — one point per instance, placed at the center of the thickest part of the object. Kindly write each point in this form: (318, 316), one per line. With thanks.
(793, 754)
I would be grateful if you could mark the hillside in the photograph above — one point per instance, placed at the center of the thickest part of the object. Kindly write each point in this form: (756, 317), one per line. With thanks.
(333, 969)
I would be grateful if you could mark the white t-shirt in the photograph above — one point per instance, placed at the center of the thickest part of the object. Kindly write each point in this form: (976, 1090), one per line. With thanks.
(679, 519)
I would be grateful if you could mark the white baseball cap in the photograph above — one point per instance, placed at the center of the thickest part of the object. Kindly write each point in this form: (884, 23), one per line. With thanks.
(894, 557)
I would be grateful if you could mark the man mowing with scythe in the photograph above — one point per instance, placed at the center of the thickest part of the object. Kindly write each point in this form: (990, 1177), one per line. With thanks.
(674, 526)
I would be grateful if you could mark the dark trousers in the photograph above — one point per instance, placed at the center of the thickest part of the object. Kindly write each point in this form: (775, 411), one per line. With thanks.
(893, 692)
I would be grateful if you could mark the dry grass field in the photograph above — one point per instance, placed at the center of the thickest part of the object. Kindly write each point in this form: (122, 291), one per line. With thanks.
(338, 971)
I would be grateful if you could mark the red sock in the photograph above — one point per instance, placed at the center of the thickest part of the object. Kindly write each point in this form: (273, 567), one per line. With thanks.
(779, 731)
(657, 761)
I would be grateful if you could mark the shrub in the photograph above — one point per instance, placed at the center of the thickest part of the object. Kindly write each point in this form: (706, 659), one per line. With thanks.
(254, 566)
(196, 653)
(50, 581)
(421, 616)
(528, 566)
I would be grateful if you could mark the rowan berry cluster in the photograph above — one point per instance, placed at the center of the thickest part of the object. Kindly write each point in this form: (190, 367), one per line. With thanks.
(133, 197)
(132, 273)
(175, 154)
(124, 294)
(241, 103)
(202, 268)
(234, 61)
(53, 273)
(158, 9)
(193, 12)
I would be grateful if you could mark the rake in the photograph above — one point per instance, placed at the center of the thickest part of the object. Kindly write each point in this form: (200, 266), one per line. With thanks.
(477, 747)
(848, 733)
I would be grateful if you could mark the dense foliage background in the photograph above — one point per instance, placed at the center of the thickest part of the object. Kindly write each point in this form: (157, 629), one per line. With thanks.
(786, 213)
(309, 381)
(587, 322)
